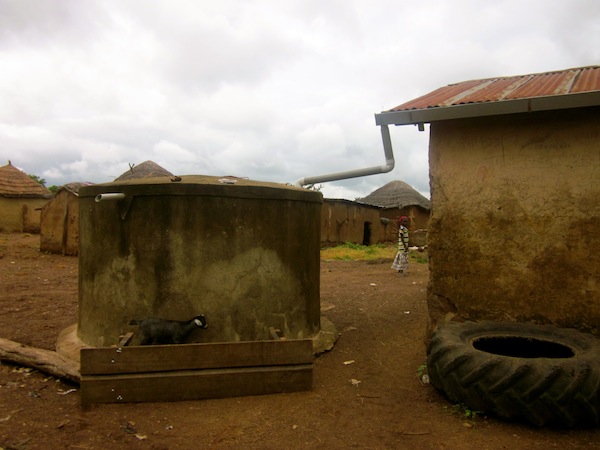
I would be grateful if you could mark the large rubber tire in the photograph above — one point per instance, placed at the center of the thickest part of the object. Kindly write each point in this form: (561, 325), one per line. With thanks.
(538, 373)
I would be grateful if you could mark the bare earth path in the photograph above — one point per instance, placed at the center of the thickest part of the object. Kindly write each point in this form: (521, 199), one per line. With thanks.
(366, 393)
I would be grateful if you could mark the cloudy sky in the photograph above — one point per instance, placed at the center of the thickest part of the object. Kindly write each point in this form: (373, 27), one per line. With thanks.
(265, 89)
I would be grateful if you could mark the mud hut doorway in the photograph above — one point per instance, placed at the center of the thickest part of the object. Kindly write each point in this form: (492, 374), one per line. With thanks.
(367, 234)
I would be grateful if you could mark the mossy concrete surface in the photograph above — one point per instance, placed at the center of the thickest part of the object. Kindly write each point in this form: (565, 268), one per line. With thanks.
(243, 253)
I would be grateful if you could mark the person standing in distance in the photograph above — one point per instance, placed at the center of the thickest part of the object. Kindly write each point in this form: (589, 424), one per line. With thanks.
(401, 260)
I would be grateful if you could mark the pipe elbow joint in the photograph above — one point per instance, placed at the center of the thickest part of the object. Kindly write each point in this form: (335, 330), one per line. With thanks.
(389, 166)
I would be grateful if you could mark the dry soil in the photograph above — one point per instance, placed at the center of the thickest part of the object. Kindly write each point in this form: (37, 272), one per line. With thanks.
(366, 393)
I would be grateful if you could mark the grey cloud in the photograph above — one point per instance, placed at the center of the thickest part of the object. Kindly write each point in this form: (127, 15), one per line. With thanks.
(268, 90)
(40, 22)
(205, 47)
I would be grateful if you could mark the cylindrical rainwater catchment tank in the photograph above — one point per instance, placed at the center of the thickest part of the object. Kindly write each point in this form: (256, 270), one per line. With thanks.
(244, 254)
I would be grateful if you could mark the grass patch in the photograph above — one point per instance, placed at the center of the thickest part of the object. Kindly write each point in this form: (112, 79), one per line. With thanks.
(418, 257)
(463, 410)
(350, 251)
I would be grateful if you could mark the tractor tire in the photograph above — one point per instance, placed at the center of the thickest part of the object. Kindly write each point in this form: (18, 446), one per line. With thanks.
(541, 374)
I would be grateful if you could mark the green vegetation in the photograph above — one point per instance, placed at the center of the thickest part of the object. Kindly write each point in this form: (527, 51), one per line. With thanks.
(37, 179)
(54, 189)
(350, 251)
(465, 411)
(422, 370)
(419, 257)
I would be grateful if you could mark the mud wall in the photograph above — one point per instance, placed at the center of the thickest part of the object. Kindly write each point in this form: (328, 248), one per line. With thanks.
(515, 227)
(344, 221)
(418, 219)
(60, 224)
(21, 215)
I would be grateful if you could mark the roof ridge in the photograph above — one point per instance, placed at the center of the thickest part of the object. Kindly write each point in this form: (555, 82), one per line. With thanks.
(548, 72)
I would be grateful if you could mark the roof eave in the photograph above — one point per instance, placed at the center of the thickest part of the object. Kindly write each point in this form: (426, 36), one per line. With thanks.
(434, 114)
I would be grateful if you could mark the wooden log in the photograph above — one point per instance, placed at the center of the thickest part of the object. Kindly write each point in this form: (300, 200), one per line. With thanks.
(43, 360)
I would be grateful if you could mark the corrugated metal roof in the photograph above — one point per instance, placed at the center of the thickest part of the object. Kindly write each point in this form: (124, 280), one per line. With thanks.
(558, 90)
(564, 82)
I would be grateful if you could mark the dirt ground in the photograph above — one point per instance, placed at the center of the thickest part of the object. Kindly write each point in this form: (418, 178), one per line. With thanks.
(366, 393)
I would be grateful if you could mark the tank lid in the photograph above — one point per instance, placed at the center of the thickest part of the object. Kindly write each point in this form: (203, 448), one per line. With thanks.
(203, 185)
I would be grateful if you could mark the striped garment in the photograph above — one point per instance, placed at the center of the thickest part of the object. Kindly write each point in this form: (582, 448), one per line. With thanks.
(401, 260)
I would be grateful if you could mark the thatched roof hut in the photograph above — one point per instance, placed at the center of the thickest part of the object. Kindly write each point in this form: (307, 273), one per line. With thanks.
(21, 199)
(14, 183)
(398, 198)
(147, 169)
(396, 194)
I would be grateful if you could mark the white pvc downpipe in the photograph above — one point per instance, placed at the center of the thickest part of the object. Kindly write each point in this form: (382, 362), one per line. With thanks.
(110, 196)
(389, 165)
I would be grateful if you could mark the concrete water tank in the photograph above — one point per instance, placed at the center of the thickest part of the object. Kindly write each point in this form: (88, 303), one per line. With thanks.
(243, 253)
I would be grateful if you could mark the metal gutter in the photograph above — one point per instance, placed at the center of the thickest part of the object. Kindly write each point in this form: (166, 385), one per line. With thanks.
(547, 103)
(389, 165)
(438, 113)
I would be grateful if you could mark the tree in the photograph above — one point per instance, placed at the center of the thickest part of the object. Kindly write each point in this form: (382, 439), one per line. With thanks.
(37, 179)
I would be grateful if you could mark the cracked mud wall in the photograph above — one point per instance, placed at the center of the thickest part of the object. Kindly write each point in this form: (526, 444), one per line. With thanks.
(515, 226)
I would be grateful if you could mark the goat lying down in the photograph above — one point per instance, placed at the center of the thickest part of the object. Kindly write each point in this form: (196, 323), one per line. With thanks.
(160, 331)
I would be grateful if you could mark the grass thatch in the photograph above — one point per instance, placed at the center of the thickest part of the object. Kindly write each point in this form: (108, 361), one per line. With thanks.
(396, 194)
(16, 183)
(147, 169)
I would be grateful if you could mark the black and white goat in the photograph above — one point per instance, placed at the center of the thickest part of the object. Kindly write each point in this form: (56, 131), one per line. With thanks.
(160, 331)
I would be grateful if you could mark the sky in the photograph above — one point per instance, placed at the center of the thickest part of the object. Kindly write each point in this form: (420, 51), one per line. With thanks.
(264, 89)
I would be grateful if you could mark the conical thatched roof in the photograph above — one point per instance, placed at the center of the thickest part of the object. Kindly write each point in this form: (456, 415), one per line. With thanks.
(147, 169)
(17, 184)
(396, 194)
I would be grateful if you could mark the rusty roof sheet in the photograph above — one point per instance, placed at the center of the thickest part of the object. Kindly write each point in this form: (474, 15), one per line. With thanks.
(577, 80)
